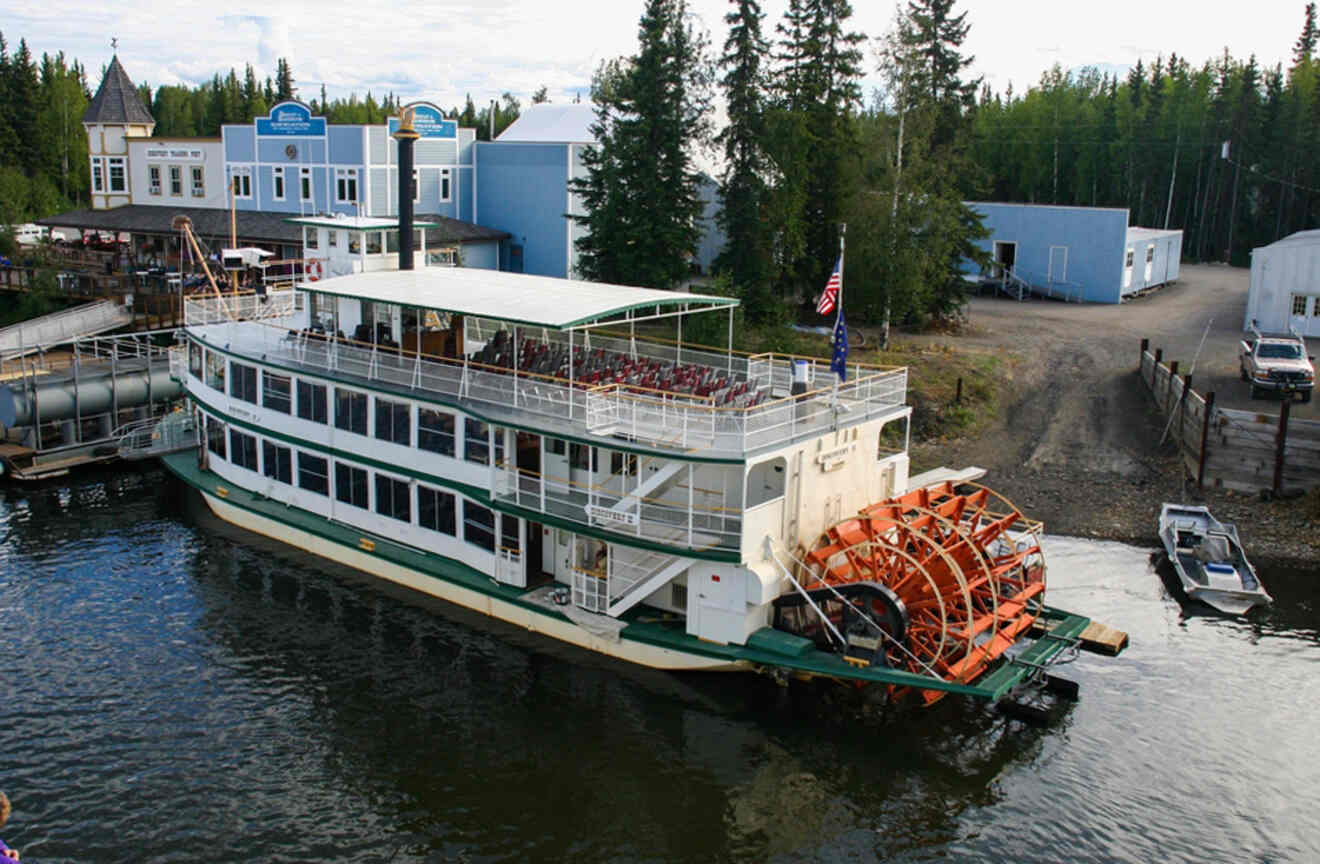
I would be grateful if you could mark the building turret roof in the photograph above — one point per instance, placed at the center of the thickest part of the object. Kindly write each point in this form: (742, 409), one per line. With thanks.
(116, 100)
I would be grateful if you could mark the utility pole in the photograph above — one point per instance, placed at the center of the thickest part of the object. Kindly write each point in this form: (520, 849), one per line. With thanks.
(1168, 210)
(1232, 211)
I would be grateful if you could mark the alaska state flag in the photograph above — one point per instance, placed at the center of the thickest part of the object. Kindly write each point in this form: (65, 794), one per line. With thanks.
(839, 362)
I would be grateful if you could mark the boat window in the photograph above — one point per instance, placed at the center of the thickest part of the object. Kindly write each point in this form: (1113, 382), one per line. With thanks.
(509, 532)
(243, 449)
(313, 473)
(393, 498)
(435, 431)
(276, 392)
(351, 411)
(582, 457)
(195, 359)
(765, 481)
(623, 462)
(479, 526)
(311, 401)
(476, 446)
(215, 370)
(436, 510)
(394, 421)
(373, 242)
(351, 485)
(277, 462)
(215, 436)
(243, 382)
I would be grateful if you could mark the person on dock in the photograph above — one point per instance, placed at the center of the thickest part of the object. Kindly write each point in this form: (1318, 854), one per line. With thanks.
(6, 853)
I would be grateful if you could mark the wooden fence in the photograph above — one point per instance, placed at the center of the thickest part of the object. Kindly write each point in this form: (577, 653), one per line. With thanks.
(1226, 447)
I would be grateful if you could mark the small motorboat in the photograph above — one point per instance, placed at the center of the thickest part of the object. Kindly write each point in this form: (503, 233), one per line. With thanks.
(1208, 558)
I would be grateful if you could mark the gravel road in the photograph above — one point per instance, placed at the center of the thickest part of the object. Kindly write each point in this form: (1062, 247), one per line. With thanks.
(1077, 442)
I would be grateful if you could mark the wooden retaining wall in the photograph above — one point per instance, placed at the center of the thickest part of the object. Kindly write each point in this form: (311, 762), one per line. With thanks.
(1230, 448)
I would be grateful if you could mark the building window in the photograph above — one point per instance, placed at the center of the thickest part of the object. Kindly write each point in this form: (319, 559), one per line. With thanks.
(351, 485)
(215, 371)
(394, 422)
(346, 186)
(305, 183)
(313, 473)
(1150, 253)
(311, 402)
(243, 382)
(276, 392)
(198, 181)
(332, 238)
(118, 182)
(435, 431)
(195, 359)
(444, 184)
(176, 180)
(1128, 262)
(436, 510)
(153, 179)
(417, 186)
(476, 446)
(242, 181)
(393, 498)
(351, 411)
(98, 176)
(243, 449)
(277, 462)
(479, 526)
(215, 436)
(277, 178)
(309, 237)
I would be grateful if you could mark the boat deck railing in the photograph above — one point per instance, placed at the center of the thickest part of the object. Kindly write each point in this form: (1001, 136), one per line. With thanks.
(663, 419)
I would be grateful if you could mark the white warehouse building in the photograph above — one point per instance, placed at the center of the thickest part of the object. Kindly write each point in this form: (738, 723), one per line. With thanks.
(1285, 286)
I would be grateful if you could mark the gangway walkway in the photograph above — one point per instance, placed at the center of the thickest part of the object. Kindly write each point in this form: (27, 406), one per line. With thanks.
(89, 319)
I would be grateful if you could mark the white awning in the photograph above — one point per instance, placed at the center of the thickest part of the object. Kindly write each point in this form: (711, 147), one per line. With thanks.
(539, 301)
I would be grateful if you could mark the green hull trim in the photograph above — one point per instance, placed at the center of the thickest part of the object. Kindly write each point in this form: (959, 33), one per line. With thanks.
(643, 626)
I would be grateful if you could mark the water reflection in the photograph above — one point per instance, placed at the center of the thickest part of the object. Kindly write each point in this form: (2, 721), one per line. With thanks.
(218, 685)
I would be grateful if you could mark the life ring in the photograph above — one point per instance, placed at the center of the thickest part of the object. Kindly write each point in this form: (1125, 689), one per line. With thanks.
(313, 271)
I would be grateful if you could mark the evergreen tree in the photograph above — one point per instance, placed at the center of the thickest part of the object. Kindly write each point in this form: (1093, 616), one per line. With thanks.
(641, 190)
(1304, 47)
(746, 254)
(23, 96)
(284, 89)
(541, 95)
(816, 92)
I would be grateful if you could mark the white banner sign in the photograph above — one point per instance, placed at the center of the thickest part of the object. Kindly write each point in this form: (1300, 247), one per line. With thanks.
(190, 154)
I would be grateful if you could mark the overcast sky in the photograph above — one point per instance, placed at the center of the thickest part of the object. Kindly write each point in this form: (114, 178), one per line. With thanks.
(444, 49)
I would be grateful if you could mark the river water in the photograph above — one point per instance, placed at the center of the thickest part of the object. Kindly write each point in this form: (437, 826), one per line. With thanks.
(176, 690)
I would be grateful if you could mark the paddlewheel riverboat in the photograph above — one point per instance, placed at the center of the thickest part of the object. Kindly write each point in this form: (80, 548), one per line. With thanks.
(527, 447)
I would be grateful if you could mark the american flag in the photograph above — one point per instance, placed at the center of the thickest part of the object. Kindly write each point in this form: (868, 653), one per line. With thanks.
(830, 297)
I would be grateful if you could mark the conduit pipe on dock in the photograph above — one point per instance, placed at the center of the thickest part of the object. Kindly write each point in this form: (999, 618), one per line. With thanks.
(93, 394)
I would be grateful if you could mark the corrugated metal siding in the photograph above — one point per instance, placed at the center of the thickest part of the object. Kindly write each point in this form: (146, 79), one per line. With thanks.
(1278, 273)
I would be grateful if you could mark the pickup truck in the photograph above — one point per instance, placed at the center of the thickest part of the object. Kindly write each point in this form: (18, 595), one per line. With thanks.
(1277, 363)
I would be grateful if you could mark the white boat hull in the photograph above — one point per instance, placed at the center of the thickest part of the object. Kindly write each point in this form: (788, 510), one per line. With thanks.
(565, 631)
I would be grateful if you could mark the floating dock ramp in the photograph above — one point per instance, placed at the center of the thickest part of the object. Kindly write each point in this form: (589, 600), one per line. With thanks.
(89, 319)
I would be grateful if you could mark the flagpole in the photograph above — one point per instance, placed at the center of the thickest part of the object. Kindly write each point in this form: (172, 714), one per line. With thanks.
(838, 313)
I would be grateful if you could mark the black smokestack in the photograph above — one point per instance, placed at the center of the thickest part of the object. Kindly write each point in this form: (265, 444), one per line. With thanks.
(406, 136)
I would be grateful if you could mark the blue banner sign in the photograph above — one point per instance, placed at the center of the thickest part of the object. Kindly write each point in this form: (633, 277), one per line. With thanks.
(428, 121)
(291, 118)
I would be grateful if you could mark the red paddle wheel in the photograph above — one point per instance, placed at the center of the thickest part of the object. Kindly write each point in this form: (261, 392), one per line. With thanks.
(962, 574)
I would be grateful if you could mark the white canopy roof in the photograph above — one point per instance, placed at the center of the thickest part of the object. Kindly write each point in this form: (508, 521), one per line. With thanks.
(539, 301)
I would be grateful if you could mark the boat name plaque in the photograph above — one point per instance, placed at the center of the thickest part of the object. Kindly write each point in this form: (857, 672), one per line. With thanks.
(604, 515)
